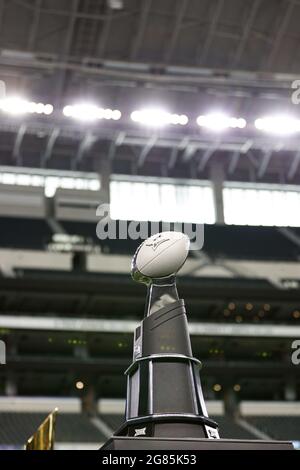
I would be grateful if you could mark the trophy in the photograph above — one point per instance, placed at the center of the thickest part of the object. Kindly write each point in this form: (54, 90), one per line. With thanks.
(165, 408)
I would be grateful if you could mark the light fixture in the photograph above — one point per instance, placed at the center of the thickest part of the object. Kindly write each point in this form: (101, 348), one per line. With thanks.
(18, 106)
(220, 122)
(79, 385)
(158, 117)
(217, 388)
(48, 109)
(115, 4)
(296, 314)
(90, 112)
(281, 125)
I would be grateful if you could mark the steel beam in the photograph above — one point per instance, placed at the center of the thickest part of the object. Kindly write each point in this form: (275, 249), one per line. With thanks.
(84, 146)
(102, 42)
(228, 142)
(206, 156)
(246, 32)
(264, 163)
(66, 50)
(181, 9)
(2, 8)
(145, 150)
(217, 178)
(189, 78)
(16, 153)
(211, 32)
(233, 162)
(66, 13)
(118, 141)
(189, 152)
(144, 13)
(50, 145)
(173, 158)
(284, 22)
(294, 166)
(252, 158)
(34, 25)
(175, 152)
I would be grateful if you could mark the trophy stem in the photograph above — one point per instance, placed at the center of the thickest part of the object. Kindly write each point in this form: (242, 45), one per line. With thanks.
(161, 292)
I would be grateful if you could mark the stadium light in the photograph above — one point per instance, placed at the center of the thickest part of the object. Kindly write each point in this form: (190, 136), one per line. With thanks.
(18, 106)
(90, 112)
(158, 117)
(219, 122)
(79, 385)
(280, 125)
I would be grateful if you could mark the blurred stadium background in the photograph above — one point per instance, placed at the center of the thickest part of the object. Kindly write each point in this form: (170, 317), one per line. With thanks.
(170, 110)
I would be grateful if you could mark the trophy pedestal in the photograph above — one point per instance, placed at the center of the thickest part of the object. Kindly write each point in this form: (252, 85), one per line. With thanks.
(154, 443)
(165, 407)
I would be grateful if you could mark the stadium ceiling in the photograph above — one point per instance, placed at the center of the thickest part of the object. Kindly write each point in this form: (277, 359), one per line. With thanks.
(189, 56)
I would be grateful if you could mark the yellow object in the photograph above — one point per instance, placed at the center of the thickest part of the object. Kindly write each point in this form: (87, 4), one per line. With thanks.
(43, 438)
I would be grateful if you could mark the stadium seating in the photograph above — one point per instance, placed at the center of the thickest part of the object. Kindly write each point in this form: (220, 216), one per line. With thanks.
(278, 427)
(114, 421)
(235, 242)
(16, 428)
(76, 429)
(17, 232)
(229, 429)
(255, 243)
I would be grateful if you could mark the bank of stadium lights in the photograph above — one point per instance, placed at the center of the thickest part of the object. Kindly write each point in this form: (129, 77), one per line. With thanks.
(220, 122)
(152, 117)
(158, 118)
(19, 106)
(90, 112)
(280, 125)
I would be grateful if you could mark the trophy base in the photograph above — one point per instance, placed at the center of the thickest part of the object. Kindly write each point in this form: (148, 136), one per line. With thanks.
(153, 443)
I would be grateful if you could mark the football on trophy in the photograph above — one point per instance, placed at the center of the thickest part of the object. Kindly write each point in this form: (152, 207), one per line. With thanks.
(160, 256)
